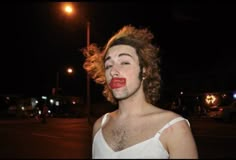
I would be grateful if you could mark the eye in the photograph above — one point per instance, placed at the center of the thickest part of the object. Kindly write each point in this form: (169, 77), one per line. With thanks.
(108, 66)
(125, 63)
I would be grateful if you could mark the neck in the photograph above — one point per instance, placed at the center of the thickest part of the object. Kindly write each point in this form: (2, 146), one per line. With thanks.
(133, 106)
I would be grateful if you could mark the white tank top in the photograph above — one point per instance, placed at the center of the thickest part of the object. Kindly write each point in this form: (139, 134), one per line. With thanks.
(151, 148)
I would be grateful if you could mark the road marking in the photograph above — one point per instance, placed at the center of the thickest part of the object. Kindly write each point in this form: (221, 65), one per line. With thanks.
(44, 135)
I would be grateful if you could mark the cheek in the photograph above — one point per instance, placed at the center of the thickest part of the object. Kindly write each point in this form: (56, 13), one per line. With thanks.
(133, 75)
(135, 72)
(107, 76)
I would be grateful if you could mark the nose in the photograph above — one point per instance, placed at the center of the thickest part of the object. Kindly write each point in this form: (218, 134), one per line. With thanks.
(114, 71)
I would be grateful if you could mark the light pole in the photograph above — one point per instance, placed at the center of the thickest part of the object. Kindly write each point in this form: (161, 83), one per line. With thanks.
(69, 10)
(69, 71)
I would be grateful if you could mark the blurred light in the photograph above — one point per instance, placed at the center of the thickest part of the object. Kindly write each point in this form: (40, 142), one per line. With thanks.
(57, 103)
(210, 99)
(39, 111)
(234, 95)
(70, 70)
(22, 108)
(224, 95)
(68, 9)
(73, 102)
(33, 102)
(44, 97)
(51, 101)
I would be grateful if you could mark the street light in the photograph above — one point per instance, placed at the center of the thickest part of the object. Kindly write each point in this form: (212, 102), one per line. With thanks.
(69, 71)
(68, 8)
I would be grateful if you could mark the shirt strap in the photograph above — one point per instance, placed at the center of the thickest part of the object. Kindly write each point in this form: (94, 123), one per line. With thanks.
(104, 118)
(173, 121)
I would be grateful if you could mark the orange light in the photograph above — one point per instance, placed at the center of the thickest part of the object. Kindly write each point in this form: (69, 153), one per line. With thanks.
(68, 8)
(210, 99)
(70, 70)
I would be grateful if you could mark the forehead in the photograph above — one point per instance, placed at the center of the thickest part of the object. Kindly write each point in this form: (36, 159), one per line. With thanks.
(117, 50)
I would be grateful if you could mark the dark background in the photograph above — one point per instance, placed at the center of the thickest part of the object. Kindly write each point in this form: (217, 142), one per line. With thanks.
(196, 39)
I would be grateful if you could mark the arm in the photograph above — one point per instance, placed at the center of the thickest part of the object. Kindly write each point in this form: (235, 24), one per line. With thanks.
(180, 141)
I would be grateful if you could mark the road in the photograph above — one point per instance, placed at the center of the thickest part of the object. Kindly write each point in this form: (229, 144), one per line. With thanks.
(59, 138)
(214, 139)
(71, 138)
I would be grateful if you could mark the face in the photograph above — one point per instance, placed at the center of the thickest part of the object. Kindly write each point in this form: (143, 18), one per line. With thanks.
(122, 71)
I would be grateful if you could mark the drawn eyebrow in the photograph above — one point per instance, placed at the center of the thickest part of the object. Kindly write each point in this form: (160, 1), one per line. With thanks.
(124, 54)
(121, 54)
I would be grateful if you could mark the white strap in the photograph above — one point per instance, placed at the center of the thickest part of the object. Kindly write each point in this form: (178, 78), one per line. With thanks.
(173, 121)
(104, 119)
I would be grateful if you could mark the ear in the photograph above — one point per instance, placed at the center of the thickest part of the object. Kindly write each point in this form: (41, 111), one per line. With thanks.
(143, 72)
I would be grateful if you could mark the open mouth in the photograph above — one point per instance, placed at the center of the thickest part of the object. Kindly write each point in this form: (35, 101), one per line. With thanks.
(117, 83)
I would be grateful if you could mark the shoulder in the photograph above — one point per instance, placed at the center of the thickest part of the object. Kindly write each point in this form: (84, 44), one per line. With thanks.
(98, 123)
(163, 118)
(176, 122)
(178, 133)
(164, 115)
(171, 121)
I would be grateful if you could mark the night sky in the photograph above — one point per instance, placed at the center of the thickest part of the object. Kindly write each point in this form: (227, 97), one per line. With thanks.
(196, 39)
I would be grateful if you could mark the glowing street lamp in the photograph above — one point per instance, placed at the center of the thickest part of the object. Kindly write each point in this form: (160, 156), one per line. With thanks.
(68, 9)
(69, 71)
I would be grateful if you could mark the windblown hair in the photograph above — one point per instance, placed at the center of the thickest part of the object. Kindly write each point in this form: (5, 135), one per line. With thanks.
(141, 40)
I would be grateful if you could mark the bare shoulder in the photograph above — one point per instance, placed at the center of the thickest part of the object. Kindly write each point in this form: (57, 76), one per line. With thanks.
(178, 133)
(98, 124)
(165, 115)
(177, 122)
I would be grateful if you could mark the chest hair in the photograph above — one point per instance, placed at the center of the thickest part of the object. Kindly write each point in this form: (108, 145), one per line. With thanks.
(122, 137)
(119, 138)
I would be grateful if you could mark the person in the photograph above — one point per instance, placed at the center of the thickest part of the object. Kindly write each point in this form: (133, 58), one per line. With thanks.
(44, 113)
(128, 67)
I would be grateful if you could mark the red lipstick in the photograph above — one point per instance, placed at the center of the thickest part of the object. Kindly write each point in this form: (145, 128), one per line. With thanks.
(117, 83)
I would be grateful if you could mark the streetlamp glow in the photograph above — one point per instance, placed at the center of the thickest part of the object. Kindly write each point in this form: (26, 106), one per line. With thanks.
(70, 70)
(68, 8)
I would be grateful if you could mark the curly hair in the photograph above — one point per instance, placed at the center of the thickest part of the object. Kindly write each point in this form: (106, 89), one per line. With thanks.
(141, 40)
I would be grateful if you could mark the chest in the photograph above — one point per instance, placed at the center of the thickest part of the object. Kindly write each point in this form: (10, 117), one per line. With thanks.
(120, 137)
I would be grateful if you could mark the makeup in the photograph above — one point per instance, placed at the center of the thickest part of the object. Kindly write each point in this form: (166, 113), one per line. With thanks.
(117, 83)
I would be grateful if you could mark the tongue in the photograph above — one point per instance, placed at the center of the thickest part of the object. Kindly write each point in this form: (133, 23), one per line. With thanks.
(117, 82)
